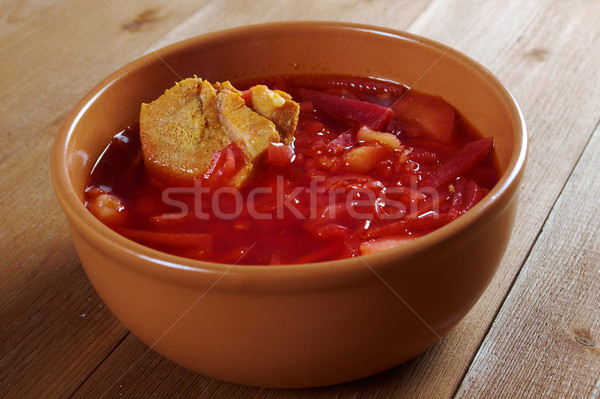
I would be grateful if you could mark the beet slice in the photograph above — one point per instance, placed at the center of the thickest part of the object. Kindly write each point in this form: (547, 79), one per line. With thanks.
(358, 112)
(469, 156)
(432, 114)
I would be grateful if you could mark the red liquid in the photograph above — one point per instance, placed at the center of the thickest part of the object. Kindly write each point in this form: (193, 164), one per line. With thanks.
(318, 203)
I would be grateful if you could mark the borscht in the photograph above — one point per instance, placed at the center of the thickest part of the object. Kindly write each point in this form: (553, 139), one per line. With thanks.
(289, 169)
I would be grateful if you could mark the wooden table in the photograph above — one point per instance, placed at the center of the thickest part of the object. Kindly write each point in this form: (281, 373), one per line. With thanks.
(534, 333)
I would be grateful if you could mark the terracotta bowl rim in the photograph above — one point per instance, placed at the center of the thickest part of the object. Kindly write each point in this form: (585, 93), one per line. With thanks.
(191, 271)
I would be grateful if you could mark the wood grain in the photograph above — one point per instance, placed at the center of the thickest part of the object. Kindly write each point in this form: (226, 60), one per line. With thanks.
(538, 322)
(545, 340)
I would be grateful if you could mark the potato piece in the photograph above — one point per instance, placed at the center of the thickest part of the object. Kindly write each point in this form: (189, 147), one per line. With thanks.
(109, 208)
(386, 139)
(364, 158)
(278, 107)
(180, 131)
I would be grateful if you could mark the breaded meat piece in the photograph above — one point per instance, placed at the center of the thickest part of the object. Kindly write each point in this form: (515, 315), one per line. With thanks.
(278, 107)
(180, 131)
(250, 131)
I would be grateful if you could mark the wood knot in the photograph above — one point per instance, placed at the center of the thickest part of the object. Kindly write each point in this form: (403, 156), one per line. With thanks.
(585, 341)
(145, 17)
(537, 53)
(583, 337)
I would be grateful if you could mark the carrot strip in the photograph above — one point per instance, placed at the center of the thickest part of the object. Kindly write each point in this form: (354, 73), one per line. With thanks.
(315, 256)
(168, 239)
(381, 244)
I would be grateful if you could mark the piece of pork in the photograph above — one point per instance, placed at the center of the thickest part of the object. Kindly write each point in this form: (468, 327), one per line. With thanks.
(249, 130)
(278, 107)
(182, 129)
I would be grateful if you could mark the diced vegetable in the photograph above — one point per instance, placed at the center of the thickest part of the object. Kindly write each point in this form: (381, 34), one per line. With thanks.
(226, 165)
(340, 143)
(473, 195)
(332, 231)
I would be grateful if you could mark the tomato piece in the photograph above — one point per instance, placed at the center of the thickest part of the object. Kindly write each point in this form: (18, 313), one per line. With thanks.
(423, 156)
(473, 195)
(215, 163)
(443, 151)
(346, 109)
(247, 97)
(340, 143)
(224, 165)
(456, 203)
(432, 114)
(279, 154)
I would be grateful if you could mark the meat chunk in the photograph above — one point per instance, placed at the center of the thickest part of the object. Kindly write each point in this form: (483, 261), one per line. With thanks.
(182, 129)
(278, 107)
(250, 131)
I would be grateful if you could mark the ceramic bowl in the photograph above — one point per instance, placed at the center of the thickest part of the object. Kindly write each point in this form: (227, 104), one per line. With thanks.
(297, 325)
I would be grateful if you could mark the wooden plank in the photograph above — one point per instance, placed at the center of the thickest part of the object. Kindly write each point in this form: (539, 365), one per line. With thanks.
(231, 13)
(544, 342)
(133, 370)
